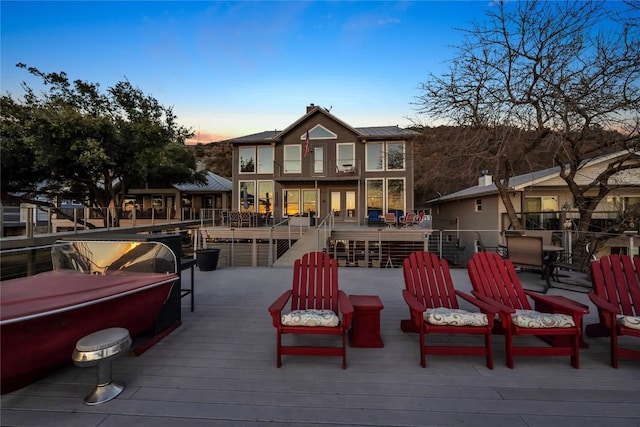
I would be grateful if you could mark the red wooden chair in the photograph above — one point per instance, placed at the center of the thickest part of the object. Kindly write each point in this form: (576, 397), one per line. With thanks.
(317, 307)
(616, 294)
(556, 319)
(434, 309)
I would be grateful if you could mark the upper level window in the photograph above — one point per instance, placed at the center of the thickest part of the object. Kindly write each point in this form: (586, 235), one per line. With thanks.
(247, 159)
(375, 159)
(318, 159)
(478, 205)
(292, 158)
(345, 157)
(395, 155)
(265, 159)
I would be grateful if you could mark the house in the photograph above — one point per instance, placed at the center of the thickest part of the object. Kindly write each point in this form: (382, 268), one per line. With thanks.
(477, 217)
(320, 164)
(155, 203)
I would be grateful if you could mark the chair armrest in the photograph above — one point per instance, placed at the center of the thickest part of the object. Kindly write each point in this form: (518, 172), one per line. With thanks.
(276, 308)
(346, 308)
(603, 304)
(412, 302)
(569, 305)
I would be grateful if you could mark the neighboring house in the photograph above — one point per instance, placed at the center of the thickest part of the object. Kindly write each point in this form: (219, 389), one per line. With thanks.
(476, 215)
(320, 163)
(179, 201)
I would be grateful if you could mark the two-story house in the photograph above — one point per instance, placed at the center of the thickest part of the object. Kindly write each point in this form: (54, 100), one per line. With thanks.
(320, 164)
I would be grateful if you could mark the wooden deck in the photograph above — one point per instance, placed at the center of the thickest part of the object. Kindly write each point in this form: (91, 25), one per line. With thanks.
(218, 369)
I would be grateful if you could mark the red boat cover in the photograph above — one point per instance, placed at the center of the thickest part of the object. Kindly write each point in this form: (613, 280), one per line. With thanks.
(58, 290)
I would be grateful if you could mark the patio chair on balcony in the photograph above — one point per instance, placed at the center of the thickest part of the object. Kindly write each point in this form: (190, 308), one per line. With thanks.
(434, 309)
(408, 220)
(616, 294)
(390, 219)
(234, 219)
(317, 307)
(556, 319)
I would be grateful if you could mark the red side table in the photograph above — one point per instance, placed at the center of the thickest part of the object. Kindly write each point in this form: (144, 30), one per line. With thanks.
(365, 327)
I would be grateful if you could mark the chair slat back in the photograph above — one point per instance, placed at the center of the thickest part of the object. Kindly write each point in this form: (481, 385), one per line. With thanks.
(616, 278)
(428, 278)
(495, 278)
(315, 282)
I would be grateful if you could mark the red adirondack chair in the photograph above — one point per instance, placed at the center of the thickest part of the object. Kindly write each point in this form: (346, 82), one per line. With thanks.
(556, 319)
(317, 307)
(616, 293)
(434, 309)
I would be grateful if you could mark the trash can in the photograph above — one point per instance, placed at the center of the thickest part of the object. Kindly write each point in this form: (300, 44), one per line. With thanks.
(207, 259)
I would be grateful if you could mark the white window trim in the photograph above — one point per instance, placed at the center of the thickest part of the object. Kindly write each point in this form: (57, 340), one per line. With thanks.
(255, 160)
(366, 155)
(339, 166)
(404, 155)
(404, 198)
(269, 169)
(286, 161)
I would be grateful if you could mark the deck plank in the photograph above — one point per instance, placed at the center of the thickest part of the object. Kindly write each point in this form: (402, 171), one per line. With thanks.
(218, 369)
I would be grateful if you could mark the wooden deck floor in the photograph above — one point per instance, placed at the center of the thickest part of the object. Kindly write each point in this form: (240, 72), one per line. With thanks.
(218, 369)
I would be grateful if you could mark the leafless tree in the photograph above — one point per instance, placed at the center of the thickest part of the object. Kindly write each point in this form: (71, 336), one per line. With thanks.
(552, 80)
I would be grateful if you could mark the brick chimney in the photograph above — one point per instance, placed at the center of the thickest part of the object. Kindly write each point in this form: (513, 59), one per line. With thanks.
(310, 107)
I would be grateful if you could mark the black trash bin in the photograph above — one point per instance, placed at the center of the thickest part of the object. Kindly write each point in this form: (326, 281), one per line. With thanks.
(207, 259)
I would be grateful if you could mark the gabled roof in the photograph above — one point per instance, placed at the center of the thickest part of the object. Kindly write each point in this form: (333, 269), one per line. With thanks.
(311, 112)
(214, 183)
(520, 182)
(364, 133)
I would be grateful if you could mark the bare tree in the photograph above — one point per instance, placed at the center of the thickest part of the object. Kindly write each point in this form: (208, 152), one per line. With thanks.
(559, 80)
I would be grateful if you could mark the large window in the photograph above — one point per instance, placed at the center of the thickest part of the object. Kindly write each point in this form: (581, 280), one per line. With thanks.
(292, 159)
(345, 157)
(395, 155)
(246, 196)
(375, 200)
(386, 195)
(375, 159)
(265, 159)
(310, 201)
(247, 159)
(541, 212)
(385, 156)
(395, 194)
(291, 202)
(265, 197)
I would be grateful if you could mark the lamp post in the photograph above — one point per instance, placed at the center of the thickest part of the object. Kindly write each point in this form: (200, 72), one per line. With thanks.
(567, 225)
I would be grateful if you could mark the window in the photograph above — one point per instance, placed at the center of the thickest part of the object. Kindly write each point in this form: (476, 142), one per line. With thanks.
(385, 156)
(395, 195)
(265, 160)
(395, 155)
(318, 159)
(246, 196)
(374, 156)
(310, 201)
(247, 159)
(265, 197)
(541, 213)
(478, 205)
(291, 202)
(345, 157)
(292, 159)
(375, 199)
(350, 203)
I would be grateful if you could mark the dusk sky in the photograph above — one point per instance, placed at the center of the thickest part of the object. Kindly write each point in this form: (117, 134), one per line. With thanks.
(234, 68)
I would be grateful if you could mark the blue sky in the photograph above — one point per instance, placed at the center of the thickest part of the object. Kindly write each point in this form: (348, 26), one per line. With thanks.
(234, 68)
